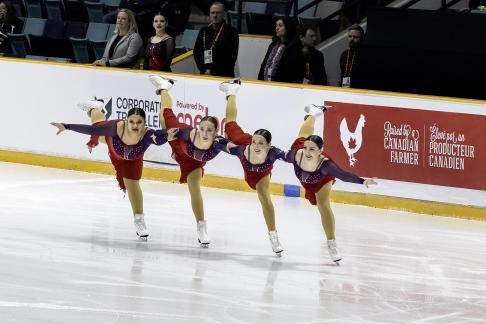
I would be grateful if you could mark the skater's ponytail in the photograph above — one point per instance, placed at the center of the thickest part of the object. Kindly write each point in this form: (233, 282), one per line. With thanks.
(137, 111)
(316, 139)
(266, 134)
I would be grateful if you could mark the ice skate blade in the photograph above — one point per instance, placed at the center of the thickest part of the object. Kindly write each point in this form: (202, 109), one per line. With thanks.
(337, 262)
(203, 245)
(278, 254)
(143, 237)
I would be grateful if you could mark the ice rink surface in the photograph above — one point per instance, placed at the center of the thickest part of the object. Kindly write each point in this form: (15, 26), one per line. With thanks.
(69, 254)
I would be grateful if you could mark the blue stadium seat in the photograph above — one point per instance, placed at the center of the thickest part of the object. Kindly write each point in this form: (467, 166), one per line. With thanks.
(97, 31)
(255, 7)
(98, 48)
(54, 9)
(19, 44)
(19, 7)
(80, 50)
(34, 8)
(34, 26)
(111, 31)
(95, 11)
(75, 11)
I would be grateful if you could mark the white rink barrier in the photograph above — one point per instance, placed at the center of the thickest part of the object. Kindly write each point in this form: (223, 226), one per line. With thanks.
(35, 94)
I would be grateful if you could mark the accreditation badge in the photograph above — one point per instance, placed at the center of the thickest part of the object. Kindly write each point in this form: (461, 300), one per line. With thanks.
(346, 82)
(208, 56)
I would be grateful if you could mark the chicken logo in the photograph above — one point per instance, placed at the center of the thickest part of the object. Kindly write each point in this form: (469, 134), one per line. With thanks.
(352, 141)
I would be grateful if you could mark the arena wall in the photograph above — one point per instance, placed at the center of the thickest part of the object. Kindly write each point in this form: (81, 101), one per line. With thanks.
(395, 143)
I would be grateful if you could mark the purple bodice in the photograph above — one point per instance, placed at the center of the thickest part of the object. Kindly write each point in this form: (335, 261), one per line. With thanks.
(125, 151)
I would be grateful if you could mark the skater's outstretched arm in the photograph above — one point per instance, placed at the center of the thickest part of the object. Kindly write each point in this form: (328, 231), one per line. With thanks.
(108, 129)
(160, 136)
(223, 144)
(329, 167)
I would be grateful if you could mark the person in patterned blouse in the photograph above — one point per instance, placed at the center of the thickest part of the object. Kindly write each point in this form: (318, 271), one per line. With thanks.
(192, 149)
(160, 48)
(127, 141)
(316, 172)
(257, 156)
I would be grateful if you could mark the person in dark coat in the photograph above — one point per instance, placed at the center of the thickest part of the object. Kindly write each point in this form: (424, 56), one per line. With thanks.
(283, 61)
(216, 48)
(315, 71)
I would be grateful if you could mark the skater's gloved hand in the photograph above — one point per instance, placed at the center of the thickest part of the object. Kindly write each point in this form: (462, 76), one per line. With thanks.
(171, 134)
(369, 182)
(60, 127)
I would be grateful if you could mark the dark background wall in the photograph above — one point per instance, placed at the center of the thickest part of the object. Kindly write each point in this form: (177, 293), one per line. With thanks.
(427, 52)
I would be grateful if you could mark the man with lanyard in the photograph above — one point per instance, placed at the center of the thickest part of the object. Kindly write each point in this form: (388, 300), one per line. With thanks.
(350, 57)
(315, 71)
(216, 47)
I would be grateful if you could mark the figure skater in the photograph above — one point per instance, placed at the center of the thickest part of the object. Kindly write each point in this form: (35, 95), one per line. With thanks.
(192, 149)
(127, 141)
(316, 172)
(257, 156)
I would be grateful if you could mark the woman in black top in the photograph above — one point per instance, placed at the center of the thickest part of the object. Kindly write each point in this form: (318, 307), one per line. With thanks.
(284, 61)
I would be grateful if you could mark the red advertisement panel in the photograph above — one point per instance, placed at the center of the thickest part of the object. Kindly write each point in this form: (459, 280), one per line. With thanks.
(421, 146)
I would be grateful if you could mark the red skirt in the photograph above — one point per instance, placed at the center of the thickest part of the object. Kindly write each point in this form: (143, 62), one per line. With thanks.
(186, 163)
(311, 189)
(252, 178)
(129, 169)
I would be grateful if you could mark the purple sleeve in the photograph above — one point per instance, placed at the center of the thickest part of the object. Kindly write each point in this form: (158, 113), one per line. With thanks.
(220, 144)
(276, 154)
(329, 167)
(107, 129)
(157, 137)
(184, 134)
(289, 156)
(238, 150)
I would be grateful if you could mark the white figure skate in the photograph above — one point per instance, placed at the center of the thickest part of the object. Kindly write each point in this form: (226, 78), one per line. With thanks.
(202, 234)
(140, 226)
(231, 87)
(90, 104)
(333, 251)
(161, 83)
(316, 110)
(276, 247)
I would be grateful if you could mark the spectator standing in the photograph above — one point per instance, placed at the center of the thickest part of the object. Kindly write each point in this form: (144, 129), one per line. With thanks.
(9, 23)
(216, 48)
(315, 71)
(124, 48)
(143, 10)
(349, 61)
(283, 61)
(160, 48)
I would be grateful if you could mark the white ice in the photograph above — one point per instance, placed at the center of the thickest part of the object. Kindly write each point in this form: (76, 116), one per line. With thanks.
(69, 254)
